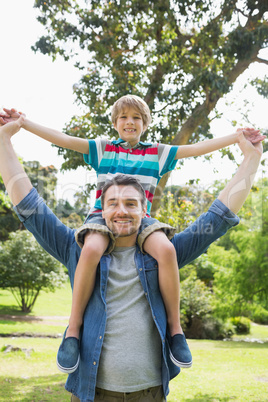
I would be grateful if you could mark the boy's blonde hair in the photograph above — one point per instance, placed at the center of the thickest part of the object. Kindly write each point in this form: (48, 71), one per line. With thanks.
(137, 103)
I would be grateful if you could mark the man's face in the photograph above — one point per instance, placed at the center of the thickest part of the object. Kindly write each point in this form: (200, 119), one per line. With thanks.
(123, 211)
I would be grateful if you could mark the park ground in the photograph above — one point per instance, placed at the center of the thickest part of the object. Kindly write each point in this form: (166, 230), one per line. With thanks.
(235, 370)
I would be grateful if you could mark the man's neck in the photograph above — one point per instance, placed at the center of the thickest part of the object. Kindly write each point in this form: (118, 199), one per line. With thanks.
(126, 241)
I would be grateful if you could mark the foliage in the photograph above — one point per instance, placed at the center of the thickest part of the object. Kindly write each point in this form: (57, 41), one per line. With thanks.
(180, 56)
(26, 269)
(241, 325)
(241, 279)
(197, 316)
(44, 179)
(258, 314)
(175, 213)
(67, 214)
(8, 219)
(195, 299)
(73, 221)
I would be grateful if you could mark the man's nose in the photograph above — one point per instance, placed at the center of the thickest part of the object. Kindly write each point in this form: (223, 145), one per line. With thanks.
(121, 209)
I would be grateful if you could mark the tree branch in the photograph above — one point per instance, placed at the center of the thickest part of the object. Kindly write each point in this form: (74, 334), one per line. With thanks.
(259, 60)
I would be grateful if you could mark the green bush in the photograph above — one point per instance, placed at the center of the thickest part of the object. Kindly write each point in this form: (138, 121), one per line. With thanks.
(259, 315)
(209, 327)
(241, 325)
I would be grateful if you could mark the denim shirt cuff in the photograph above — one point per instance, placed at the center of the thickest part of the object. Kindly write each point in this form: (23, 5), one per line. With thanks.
(28, 205)
(220, 209)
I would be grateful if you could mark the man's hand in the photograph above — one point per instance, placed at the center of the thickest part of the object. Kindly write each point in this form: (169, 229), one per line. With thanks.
(250, 134)
(249, 147)
(12, 127)
(9, 116)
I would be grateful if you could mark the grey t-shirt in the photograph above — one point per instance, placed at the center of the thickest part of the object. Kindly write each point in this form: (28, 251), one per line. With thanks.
(131, 353)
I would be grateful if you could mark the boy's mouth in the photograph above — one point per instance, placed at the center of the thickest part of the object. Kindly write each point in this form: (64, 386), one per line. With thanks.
(130, 130)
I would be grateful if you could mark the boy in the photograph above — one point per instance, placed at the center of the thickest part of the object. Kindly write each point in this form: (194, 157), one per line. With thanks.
(148, 162)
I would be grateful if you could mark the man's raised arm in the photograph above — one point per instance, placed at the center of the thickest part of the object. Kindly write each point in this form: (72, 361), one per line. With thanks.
(238, 188)
(15, 179)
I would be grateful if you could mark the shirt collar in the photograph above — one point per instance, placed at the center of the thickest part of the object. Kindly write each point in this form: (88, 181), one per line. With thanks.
(140, 143)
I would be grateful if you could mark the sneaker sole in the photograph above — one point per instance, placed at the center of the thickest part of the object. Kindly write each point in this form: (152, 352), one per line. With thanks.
(179, 364)
(69, 370)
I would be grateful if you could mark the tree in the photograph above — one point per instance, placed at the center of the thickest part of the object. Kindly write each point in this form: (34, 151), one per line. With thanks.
(181, 56)
(44, 179)
(241, 257)
(9, 222)
(67, 214)
(26, 269)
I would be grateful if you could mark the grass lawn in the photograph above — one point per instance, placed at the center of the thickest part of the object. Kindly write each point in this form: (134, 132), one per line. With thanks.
(47, 304)
(222, 371)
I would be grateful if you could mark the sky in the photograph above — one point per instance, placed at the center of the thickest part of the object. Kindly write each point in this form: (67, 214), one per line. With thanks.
(43, 89)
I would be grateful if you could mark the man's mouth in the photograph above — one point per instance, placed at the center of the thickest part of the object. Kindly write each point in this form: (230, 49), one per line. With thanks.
(121, 222)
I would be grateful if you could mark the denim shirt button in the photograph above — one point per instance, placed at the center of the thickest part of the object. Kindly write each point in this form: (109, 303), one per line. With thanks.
(100, 337)
(140, 269)
(94, 363)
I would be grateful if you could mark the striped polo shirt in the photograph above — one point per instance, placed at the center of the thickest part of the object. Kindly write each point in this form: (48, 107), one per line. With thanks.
(147, 162)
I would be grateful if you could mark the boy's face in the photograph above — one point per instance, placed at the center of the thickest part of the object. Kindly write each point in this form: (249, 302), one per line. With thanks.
(129, 125)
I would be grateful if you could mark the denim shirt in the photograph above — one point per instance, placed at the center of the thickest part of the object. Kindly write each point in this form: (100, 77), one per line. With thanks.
(59, 241)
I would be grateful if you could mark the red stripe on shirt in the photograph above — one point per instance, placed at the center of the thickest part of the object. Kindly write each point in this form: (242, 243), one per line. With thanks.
(117, 149)
(149, 196)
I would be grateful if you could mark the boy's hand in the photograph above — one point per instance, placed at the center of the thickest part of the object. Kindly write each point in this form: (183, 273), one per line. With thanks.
(9, 116)
(250, 134)
(11, 128)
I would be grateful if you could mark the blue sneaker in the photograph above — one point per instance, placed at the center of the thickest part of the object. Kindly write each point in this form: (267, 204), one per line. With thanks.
(179, 351)
(68, 355)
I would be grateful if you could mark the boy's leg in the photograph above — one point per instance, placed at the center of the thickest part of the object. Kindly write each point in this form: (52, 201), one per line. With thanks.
(95, 244)
(169, 284)
(168, 273)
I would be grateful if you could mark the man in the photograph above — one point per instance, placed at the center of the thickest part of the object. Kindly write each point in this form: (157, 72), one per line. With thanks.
(123, 354)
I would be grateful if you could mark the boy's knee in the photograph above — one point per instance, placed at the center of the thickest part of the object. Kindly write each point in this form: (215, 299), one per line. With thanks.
(168, 250)
(95, 243)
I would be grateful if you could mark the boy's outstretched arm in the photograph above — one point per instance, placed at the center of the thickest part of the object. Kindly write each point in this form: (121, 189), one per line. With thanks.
(48, 134)
(208, 146)
(238, 188)
(15, 179)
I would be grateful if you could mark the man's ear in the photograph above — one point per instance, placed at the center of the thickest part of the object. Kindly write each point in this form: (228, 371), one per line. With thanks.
(144, 212)
(102, 213)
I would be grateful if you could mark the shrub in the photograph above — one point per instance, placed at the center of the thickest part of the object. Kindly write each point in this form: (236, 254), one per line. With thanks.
(259, 315)
(209, 327)
(241, 325)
